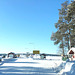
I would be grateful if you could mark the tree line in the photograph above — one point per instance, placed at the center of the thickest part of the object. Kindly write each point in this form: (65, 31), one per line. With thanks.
(65, 34)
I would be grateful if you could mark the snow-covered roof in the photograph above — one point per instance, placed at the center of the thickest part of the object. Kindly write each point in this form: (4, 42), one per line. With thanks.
(73, 49)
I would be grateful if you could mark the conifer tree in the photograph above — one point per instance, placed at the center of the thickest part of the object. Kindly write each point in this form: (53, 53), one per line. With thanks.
(65, 35)
(61, 26)
(71, 23)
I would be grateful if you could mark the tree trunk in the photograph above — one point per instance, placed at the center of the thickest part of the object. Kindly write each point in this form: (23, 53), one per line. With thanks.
(63, 46)
(69, 38)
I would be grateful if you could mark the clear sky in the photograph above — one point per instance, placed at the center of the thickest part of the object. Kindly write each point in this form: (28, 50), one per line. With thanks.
(27, 25)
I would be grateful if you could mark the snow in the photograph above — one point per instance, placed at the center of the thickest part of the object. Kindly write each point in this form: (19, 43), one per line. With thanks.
(73, 49)
(54, 57)
(28, 66)
(68, 68)
(37, 66)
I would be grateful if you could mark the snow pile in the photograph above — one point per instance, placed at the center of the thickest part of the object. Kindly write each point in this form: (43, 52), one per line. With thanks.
(36, 56)
(22, 56)
(68, 68)
(72, 71)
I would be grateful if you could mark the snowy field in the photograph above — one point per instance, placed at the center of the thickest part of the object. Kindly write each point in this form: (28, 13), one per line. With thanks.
(28, 66)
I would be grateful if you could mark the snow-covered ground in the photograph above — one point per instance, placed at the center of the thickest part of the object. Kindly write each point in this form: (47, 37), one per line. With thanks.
(29, 66)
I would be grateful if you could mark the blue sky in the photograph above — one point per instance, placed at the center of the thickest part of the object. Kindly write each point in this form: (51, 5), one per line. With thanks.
(27, 25)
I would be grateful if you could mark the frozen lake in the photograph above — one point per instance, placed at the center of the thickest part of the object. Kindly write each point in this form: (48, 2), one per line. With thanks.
(28, 66)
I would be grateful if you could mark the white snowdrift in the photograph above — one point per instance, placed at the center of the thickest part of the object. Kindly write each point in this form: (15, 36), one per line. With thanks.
(68, 68)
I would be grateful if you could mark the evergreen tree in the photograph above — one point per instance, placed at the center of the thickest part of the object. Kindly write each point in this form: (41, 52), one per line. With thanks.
(71, 23)
(61, 37)
(65, 35)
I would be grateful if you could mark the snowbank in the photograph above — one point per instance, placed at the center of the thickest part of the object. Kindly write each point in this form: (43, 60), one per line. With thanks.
(68, 68)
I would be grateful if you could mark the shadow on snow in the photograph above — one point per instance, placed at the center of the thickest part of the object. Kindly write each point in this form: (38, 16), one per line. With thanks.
(19, 70)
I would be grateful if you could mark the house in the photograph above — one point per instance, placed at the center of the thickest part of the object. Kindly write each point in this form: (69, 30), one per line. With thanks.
(11, 55)
(43, 56)
(71, 53)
